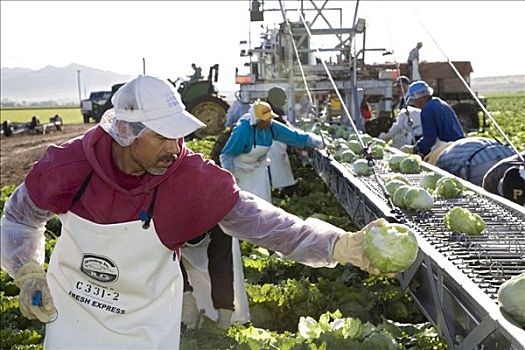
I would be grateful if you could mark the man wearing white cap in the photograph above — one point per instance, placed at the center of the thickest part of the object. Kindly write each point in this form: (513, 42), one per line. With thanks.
(440, 124)
(129, 194)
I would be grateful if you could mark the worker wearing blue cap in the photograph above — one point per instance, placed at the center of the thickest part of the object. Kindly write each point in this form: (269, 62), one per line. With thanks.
(439, 122)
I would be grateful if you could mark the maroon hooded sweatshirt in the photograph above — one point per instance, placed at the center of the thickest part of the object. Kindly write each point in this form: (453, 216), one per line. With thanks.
(192, 197)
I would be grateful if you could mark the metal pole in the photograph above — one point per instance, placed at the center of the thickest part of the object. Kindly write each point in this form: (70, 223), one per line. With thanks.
(143, 66)
(78, 83)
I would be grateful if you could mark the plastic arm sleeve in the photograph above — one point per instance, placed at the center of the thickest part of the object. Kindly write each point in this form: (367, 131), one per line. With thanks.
(22, 233)
(226, 161)
(398, 125)
(314, 141)
(310, 242)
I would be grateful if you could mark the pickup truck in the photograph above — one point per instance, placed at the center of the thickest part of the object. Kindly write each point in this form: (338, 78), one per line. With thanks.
(90, 108)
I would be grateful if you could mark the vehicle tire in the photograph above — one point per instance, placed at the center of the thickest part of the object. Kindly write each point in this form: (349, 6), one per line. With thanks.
(7, 128)
(376, 126)
(86, 118)
(211, 111)
(34, 122)
(59, 123)
(468, 116)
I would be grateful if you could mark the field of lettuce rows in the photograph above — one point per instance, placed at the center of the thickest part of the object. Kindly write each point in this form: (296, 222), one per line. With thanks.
(294, 306)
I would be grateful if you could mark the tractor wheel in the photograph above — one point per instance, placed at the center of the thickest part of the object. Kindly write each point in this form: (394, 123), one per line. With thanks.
(7, 128)
(468, 116)
(376, 126)
(86, 118)
(59, 123)
(211, 111)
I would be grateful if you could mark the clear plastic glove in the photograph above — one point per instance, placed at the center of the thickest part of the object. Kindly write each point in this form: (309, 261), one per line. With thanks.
(225, 318)
(35, 297)
(407, 149)
(349, 249)
(383, 136)
(314, 141)
(190, 312)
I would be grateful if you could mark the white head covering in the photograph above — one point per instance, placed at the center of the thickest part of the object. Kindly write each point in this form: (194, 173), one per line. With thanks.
(148, 103)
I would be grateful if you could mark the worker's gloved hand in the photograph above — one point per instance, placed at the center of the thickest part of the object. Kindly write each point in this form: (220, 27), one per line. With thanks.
(190, 312)
(407, 149)
(227, 162)
(383, 136)
(225, 318)
(314, 141)
(349, 249)
(35, 298)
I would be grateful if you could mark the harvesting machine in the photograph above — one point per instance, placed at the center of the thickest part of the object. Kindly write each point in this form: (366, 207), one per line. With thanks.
(455, 278)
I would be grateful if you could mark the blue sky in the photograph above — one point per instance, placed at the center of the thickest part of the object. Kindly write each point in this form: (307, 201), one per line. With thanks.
(171, 35)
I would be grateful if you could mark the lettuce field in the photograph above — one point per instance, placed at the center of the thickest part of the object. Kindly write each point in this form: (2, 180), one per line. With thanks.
(509, 112)
(294, 306)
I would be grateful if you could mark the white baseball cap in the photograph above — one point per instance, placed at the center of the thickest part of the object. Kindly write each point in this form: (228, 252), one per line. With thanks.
(156, 104)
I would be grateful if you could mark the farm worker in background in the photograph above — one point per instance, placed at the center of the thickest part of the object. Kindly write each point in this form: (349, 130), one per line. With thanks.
(210, 285)
(470, 158)
(365, 109)
(197, 73)
(406, 130)
(239, 107)
(129, 194)
(402, 83)
(246, 152)
(281, 174)
(439, 122)
(413, 62)
(507, 178)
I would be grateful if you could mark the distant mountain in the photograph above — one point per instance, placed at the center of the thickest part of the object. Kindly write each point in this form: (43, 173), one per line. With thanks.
(506, 83)
(58, 84)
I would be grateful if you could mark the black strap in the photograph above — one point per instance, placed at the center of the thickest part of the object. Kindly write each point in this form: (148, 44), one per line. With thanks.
(147, 216)
(82, 188)
(255, 129)
(467, 163)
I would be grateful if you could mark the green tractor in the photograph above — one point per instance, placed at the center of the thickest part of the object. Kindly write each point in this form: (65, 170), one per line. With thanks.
(202, 99)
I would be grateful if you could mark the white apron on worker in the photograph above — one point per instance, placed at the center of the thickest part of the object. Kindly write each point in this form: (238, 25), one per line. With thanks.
(251, 172)
(114, 286)
(436, 150)
(280, 169)
(195, 259)
(415, 70)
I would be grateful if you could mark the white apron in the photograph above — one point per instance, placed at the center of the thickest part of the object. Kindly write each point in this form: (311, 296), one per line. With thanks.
(280, 169)
(251, 172)
(436, 151)
(195, 259)
(114, 286)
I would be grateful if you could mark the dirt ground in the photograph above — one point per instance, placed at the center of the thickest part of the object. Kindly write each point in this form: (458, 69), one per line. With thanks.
(19, 152)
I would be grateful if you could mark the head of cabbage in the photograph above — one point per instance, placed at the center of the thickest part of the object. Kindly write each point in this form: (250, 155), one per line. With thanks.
(395, 160)
(449, 187)
(462, 220)
(346, 156)
(511, 298)
(391, 248)
(410, 165)
(418, 198)
(399, 177)
(429, 180)
(377, 151)
(399, 196)
(355, 146)
(392, 186)
(361, 168)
